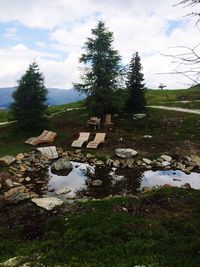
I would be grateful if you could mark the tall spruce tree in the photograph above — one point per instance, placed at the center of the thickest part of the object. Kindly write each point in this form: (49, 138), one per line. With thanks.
(101, 71)
(30, 97)
(136, 97)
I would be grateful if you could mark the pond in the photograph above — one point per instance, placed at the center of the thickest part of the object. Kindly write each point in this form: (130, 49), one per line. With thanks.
(80, 181)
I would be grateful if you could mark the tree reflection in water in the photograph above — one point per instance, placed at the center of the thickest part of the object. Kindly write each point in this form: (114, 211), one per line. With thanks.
(122, 182)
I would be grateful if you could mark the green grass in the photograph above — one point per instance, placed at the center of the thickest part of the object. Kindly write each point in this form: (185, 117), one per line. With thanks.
(157, 97)
(172, 132)
(190, 105)
(54, 109)
(5, 115)
(160, 228)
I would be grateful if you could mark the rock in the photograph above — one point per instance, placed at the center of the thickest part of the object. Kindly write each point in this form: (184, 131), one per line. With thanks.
(62, 164)
(49, 152)
(109, 162)
(9, 183)
(27, 179)
(63, 190)
(7, 160)
(148, 136)
(166, 158)
(0, 185)
(146, 189)
(96, 182)
(47, 203)
(130, 162)
(165, 163)
(188, 158)
(116, 163)
(196, 160)
(125, 153)
(89, 156)
(99, 162)
(17, 194)
(139, 162)
(21, 180)
(181, 166)
(147, 161)
(139, 116)
(20, 156)
(186, 185)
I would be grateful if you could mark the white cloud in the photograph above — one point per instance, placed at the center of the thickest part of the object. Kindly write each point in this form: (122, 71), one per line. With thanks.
(138, 25)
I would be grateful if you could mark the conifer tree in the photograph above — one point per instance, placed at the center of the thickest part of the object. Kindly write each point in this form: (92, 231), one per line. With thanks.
(30, 97)
(101, 72)
(136, 97)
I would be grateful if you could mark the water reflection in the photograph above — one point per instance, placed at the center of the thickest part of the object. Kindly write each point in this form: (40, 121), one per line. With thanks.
(115, 181)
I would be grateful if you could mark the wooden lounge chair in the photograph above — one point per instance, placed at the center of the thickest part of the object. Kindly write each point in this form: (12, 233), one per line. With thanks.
(99, 138)
(45, 137)
(83, 137)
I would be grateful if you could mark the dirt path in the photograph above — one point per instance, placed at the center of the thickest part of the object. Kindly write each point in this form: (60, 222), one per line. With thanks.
(187, 110)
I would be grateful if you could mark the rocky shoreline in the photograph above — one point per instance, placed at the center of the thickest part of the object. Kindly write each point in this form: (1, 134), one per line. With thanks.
(27, 170)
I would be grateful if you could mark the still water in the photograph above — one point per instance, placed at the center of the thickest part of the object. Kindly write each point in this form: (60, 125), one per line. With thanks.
(114, 182)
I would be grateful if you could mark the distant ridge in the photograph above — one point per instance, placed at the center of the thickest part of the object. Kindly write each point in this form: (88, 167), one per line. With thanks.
(55, 96)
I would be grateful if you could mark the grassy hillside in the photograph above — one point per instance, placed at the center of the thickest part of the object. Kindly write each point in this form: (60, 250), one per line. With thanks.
(157, 97)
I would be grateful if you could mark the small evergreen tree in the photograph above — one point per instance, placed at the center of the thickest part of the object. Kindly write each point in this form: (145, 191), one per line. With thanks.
(101, 71)
(136, 98)
(30, 97)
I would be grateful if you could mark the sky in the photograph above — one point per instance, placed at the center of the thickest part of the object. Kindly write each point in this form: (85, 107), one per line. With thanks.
(53, 33)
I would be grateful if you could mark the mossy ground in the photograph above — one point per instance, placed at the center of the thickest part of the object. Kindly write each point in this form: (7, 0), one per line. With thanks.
(159, 228)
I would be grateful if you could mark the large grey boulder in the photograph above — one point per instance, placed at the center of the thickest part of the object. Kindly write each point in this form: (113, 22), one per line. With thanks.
(62, 164)
(47, 203)
(125, 152)
(16, 194)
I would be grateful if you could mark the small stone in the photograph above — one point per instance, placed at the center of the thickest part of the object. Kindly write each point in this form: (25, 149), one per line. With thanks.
(188, 158)
(147, 136)
(109, 162)
(0, 185)
(165, 163)
(139, 116)
(181, 166)
(129, 163)
(147, 161)
(166, 158)
(186, 185)
(89, 156)
(139, 162)
(196, 160)
(96, 182)
(9, 183)
(21, 180)
(116, 163)
(125, 152)
(20, 156)
(7, 160)
(16, 194)
(27, 179)
(99, 162)
(63, 190)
